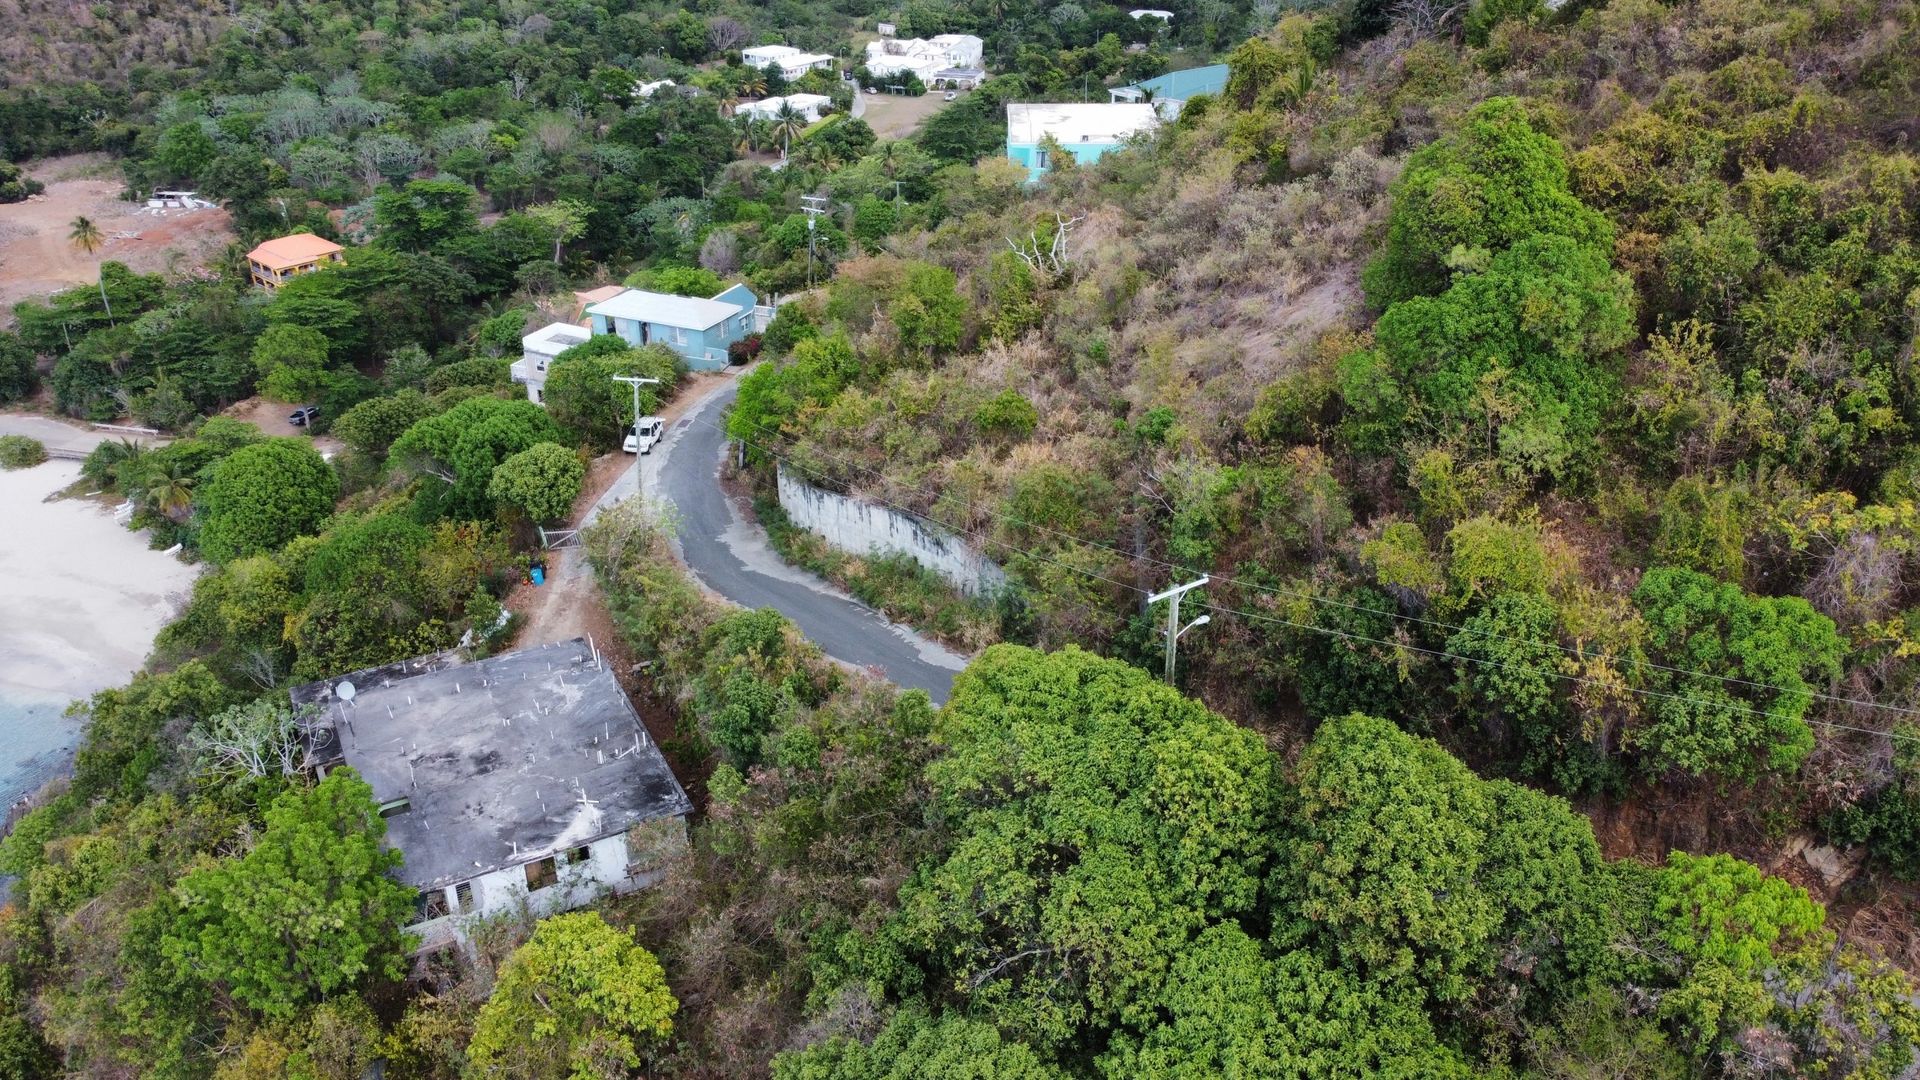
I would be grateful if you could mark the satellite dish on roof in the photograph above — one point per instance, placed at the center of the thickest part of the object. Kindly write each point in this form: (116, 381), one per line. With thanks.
(345, 690)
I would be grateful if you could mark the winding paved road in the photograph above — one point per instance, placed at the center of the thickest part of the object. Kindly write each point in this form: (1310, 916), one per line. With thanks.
(731, 556)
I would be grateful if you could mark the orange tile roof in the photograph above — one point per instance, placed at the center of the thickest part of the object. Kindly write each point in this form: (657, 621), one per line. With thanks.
(296, 250)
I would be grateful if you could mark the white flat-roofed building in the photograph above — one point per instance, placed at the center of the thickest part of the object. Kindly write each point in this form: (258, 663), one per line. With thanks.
(1088, 131)
(791, 61)
(537, 352)
(807, 105)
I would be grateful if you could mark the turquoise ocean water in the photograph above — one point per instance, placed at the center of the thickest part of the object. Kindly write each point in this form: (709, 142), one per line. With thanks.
(36, 741)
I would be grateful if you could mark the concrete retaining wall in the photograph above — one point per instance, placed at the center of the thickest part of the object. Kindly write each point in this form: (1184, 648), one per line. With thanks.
(865, 528)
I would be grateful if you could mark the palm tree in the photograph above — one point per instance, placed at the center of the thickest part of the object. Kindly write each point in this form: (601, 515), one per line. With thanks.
(755, 83)
(170, 489)
(787, 123)
(112, 459)
(87, 237)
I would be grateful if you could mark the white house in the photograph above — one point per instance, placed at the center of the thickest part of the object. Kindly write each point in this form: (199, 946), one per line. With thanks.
(521, 782)
(1162, 14)
(791, 61)
(885, 29)
(948, 57)
(537, 351)
(647, 89)
(807, 105)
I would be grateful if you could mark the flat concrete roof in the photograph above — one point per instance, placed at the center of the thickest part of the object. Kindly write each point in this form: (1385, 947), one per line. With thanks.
(501, 762)
(555, 338)
(1077, 122)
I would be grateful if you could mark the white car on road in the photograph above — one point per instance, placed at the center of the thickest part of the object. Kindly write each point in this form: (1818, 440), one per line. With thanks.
(646, 436)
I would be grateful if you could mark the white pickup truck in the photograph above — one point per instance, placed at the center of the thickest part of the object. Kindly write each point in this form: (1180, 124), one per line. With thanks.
(646, 435)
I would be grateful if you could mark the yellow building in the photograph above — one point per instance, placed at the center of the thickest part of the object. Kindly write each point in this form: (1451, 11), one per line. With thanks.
(275, 261)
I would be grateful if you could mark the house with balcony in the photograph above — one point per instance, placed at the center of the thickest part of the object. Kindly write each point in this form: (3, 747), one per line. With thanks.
(940, 62)
(699, 330)
(791, 62)
(537, 353)
(524, 782)
(278, 261)
(1086, 131)
(1170, 93)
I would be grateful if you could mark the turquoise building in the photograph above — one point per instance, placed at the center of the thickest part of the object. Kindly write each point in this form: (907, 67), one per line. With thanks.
(1170, 92)
(699, 330)
(1088, 131)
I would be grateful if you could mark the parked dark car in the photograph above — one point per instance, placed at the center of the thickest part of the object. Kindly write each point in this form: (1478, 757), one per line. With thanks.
(304, 415)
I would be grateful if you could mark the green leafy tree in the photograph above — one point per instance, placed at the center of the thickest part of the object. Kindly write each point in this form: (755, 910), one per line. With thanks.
(263, 496)
(424, 215)
(1099, 822)
(564, 219)
(580, 1000)
(928, 309)
(541, 481)
(309, 911)
(1514, 358)
(1732, 927)
(1509, 680)
(292, 362)
(1772, 645)
(1491, 184)
(183, 152)
(459, 449)
(1232, 1010)
(1382, 859)
(584, 399)
(19, 368)
(915, 1046)
(372, 426)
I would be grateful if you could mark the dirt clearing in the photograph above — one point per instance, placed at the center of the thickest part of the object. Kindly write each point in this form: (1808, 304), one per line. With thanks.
(895, 116)
(37, 258)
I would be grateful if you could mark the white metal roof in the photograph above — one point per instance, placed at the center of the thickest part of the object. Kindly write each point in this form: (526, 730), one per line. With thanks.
(1078, 122)
(666, 309)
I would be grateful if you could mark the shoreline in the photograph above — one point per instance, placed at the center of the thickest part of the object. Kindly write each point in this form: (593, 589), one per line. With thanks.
(84, 599)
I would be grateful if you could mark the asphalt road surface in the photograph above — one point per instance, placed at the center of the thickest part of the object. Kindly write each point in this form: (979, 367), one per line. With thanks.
(731, 556)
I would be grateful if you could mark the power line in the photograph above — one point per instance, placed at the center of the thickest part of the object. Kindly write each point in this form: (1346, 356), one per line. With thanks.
(971, 508)
(1311, 628)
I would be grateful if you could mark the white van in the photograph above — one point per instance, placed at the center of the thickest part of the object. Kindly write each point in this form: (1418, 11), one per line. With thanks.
(651, 428)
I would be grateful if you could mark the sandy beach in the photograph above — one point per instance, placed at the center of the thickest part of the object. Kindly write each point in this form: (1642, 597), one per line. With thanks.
(83, 600)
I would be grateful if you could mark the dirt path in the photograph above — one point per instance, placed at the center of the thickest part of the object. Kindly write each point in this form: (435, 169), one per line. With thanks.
(569, 604)
(37, 258)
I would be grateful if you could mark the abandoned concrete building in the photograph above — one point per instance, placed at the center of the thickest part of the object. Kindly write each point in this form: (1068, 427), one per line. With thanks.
(521, 782)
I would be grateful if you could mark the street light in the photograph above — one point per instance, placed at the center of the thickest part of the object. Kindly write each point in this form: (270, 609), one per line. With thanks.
(639, 475)
(1174, 630)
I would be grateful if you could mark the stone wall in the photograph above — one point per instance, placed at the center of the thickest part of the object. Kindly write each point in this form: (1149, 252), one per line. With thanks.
(865, 528)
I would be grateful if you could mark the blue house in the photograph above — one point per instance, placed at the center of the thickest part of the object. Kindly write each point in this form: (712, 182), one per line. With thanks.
(1086, 131)
(1170, 92)
(699, 330)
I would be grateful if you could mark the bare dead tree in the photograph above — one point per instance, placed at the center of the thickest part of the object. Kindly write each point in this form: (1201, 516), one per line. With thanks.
(1427, 18)
(260, 739)
(1057, 256)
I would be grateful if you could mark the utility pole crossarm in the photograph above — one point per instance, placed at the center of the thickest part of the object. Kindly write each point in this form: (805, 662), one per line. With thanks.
(1174, 630)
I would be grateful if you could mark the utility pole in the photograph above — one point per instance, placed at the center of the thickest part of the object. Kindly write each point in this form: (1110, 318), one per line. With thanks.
(639, 473)
(1174, 630)
(812, 206)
